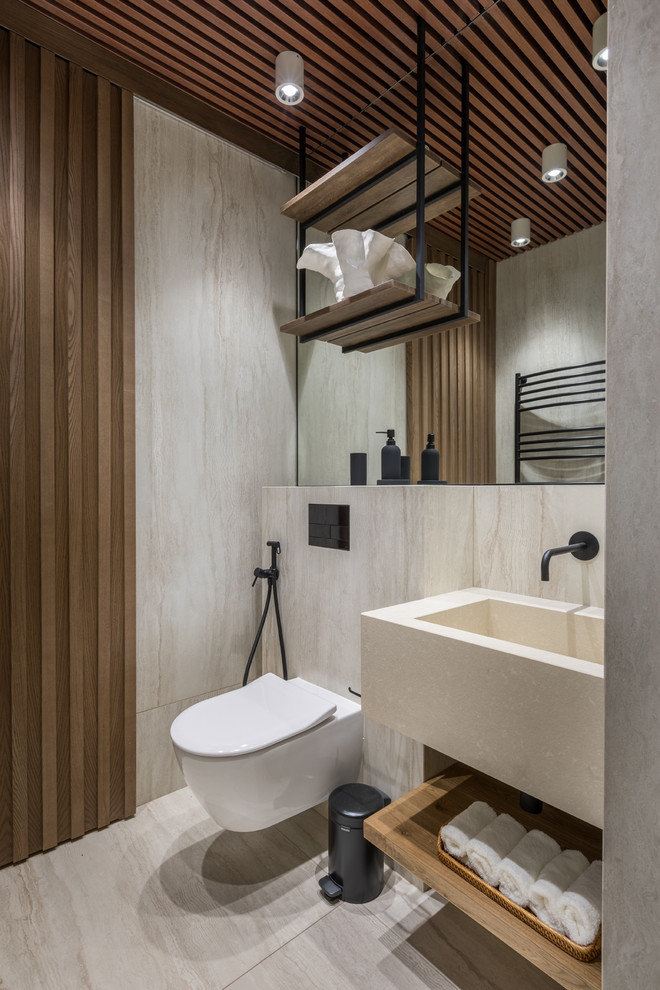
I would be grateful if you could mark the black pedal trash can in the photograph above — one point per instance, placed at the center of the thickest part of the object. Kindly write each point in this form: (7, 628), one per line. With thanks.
(355, 866)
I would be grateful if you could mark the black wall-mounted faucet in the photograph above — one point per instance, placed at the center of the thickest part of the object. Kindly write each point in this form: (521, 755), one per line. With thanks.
(583, 546)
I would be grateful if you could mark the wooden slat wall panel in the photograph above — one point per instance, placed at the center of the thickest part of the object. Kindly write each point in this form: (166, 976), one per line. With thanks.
(61, 454)
(17, 444)
(67, 529)
(74, 452)
(117, 483)
(451, 387)
(127, 449)
(46, 290)
(90, 383)
(488, 402)
(6, 834)
(104, 357)
(32, 464)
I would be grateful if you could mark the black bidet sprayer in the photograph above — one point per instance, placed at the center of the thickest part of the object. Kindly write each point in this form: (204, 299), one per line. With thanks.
(271, 575)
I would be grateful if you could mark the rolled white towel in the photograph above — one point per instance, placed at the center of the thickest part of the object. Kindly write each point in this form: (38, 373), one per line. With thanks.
(489, 847)
(458, 832)
(555, 878)
(579, 909)
(521, 868)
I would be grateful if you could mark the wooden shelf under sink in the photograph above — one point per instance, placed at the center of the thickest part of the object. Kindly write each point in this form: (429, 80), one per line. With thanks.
(407, 830)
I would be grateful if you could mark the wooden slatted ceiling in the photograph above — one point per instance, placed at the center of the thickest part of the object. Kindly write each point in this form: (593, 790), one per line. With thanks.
(532, 85)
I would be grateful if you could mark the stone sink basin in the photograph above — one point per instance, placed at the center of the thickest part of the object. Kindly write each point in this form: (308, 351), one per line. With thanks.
(508, 684)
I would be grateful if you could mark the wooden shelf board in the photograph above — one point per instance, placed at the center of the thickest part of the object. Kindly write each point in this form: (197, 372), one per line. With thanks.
(362, 304)
(368, 305)
(371, 339)
(407, 830)
(390, 196)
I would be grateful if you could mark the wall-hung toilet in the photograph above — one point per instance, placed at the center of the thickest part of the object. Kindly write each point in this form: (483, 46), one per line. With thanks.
(267, 751)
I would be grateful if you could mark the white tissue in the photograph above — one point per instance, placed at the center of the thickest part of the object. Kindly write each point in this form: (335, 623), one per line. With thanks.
(554, 879)
(579, 909)
(357, 260)
(438, 279)
(521, 868)
(462, 828)
(489, 847)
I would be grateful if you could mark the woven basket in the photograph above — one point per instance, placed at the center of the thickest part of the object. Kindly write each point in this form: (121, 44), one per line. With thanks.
(585, 953)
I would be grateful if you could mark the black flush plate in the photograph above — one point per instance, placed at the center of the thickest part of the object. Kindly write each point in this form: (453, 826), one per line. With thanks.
(329, 526)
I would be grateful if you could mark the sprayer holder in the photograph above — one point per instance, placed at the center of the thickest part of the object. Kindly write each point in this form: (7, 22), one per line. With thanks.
(270, 573)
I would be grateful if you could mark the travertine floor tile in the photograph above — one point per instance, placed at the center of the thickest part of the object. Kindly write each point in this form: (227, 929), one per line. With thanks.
(167, 901)
(362, 947)
(164, 901)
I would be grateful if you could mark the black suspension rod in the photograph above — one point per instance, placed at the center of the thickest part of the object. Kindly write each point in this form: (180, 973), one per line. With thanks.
(465, 187)
(300, 229)
(420, 189)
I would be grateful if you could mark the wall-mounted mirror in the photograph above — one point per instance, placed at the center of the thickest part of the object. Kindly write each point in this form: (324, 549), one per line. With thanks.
(542, 307)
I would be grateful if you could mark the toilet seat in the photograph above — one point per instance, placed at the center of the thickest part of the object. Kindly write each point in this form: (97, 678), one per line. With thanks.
(264, 712)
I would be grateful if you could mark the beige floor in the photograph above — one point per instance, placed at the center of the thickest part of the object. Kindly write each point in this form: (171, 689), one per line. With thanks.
(167, 902)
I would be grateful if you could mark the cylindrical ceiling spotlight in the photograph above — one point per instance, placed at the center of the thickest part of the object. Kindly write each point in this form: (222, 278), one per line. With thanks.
(600, 49)
(520, 232)
(553, 167)
(289, 78)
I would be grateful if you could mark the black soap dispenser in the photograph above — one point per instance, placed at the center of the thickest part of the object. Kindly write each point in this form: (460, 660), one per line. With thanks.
(390, 461)
(430, 463)
(430, 460)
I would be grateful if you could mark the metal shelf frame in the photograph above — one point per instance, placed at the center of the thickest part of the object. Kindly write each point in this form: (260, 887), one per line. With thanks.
(421, 203)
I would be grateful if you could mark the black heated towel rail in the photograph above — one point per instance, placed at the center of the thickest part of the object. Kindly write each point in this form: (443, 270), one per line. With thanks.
(577, 384)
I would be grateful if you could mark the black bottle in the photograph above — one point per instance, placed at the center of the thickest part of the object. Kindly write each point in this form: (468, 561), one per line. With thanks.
(430, 460)
(390, 458)
(358, 469)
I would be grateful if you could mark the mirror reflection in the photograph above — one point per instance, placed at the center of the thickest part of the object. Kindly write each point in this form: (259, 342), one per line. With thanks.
(541, 306)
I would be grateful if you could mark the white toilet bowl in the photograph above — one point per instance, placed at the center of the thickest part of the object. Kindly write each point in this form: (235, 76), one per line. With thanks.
(267, 751)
